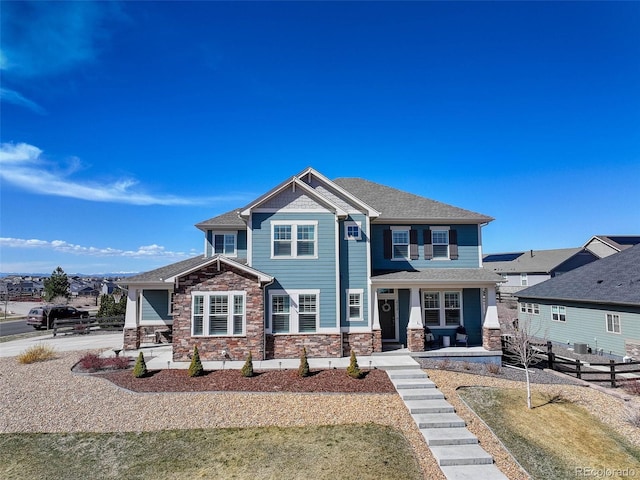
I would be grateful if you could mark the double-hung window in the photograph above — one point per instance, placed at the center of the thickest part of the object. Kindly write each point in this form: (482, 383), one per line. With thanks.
(558, 313)
(613, 323)
(531, 308)
(440, 241)
(400, 243)
(354, 297)
(442, 309)
(524, 280)
(294, 312)
(294, 239)
(218, 314)
(224, 244)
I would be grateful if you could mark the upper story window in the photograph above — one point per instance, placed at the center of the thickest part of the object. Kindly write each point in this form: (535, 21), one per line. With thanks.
(613, 323)
(524, 280)
(558, 313)
(440, 240)
(352, 231)
(224, 244)
(400, 241)
(440, 243)
(294, 239)
(531, 308)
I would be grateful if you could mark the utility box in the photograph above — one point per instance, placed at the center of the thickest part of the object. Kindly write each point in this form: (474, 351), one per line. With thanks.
(580, 348)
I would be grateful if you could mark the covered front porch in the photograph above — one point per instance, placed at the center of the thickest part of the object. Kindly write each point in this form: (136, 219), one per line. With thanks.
(436, 305)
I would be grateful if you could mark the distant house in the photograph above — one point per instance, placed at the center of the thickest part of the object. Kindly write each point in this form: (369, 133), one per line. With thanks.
(597, 304)
(331, 265)
(520, 270)
(603, 246)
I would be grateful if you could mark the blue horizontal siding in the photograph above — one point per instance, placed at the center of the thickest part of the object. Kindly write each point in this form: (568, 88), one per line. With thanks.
(468, 249)
(353, 271)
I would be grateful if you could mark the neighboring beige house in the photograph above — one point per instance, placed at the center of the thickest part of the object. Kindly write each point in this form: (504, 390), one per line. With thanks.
(603, 246)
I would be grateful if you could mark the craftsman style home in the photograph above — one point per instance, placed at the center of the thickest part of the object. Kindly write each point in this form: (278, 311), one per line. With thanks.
(330, 265)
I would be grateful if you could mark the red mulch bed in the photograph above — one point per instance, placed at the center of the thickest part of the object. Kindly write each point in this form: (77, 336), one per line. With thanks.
(321, 381)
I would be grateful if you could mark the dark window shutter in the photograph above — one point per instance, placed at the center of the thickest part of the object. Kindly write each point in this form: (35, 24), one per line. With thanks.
(428, 246)
(386, 237)
(453, 244)
(413, 244)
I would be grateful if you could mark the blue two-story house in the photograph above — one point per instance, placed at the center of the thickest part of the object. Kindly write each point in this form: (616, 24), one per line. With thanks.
(330, 265)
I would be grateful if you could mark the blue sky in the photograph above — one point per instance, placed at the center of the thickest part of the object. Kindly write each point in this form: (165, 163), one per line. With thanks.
(124, 124)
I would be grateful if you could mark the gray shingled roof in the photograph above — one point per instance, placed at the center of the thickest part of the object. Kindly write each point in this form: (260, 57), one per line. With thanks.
(462, 275)
(532, 261)
(620, 242)
(168, 271)
(611, 280)
(394, 204)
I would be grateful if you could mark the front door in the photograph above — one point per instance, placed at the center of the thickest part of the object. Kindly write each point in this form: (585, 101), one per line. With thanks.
(387, 315)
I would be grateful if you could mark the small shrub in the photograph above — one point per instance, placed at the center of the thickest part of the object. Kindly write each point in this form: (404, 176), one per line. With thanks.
(37, 353)
(195, 368)
(353, 370)
(632, 417)
(119, 363)
(632, 387)
(140, 368)
(92, 362)
(247, 368)
(303, 369)
(492, 368)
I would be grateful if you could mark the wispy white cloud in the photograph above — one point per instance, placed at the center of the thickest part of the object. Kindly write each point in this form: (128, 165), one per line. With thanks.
(61, 246)
(11, 96)
(25, 166)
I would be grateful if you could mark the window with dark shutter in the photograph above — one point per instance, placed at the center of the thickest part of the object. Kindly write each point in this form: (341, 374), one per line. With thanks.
(413, 244)
(428, 246)
(388, 246)
(453, 244)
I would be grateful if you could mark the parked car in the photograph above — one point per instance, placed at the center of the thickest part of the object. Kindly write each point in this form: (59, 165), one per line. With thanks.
(39, 316)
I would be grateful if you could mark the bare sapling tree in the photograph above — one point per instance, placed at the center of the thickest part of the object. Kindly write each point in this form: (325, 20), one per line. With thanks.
(520, 343)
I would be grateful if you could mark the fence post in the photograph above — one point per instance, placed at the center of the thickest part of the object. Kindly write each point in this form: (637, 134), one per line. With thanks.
(612, 366)
(550, 355)
(578, 374)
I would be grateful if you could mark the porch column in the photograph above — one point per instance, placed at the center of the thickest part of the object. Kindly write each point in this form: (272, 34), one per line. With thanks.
(415, 329)
(376, 337)
(491, 327)
(131, 340)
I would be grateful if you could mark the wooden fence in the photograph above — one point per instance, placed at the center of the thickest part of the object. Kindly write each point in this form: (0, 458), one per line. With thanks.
(610, 372)
(86, 325)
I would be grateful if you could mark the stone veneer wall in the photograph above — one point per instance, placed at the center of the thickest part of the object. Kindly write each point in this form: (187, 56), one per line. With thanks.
(415, 339)
(491, 339)
(361, 343)
(131, 339)
(290, 346)
(211, 279)
(377, 340)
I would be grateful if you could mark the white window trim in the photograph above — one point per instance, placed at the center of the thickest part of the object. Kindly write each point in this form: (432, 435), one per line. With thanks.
(205, 321)
(235, 243)
(524, 280)
(530, 308)
(441, 314)
(562, 310)
(355, 291)
(433, 244)
(606, 323)
(293, 311)
(294, 239)
(393, 250)
(352, 224)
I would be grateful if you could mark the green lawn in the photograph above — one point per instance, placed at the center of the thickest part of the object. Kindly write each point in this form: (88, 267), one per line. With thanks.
(328, 452)
(556, 438)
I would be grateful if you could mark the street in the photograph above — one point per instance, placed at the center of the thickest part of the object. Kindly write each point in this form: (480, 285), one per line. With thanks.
(14, 327)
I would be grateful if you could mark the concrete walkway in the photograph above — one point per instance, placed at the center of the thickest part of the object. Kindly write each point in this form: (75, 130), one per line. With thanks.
(455, 448)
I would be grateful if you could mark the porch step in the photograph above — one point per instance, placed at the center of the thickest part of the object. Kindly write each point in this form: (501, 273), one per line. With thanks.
(438, 420)
(436, 405)
(473, 472)
(448, 436)
(413, 383)
(455, 455)
(424, 394)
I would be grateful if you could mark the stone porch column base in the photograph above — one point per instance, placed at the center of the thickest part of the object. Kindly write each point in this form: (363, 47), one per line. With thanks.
(491, 339)
(415, 339)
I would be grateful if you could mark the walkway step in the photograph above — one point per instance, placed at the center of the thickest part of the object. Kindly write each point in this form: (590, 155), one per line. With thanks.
(439, 420)
(454, 455)
(407, 374)
(424, 394)
(448, 436)
(473, 472)
(405, 384)
(436, 405)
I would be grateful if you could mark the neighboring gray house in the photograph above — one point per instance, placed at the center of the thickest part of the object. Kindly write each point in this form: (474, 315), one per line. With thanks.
(520, 270)
(597, 304)
(604, 245)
